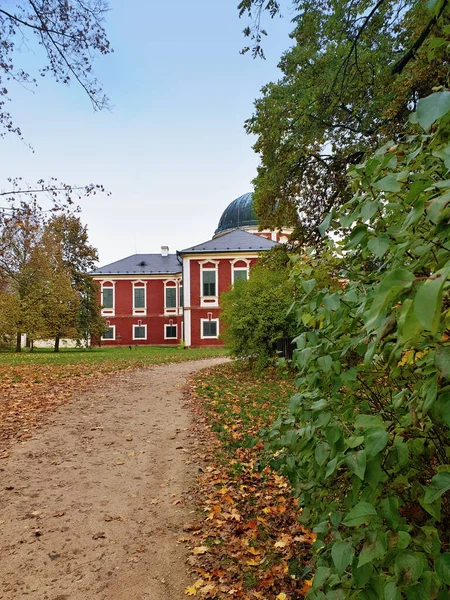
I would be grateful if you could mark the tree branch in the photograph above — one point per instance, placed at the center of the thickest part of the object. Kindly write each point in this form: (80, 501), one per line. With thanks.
(406, 58)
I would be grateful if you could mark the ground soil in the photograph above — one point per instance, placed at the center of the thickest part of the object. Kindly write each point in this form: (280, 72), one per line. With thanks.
(94, 505)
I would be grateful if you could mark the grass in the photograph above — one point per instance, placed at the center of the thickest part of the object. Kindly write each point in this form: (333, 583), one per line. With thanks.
(240, 402)
(118, 358)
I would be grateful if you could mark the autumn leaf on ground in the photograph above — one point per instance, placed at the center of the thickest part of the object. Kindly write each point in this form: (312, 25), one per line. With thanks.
(200, 550)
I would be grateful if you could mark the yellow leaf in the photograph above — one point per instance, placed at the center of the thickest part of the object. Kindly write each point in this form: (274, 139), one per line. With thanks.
(282, 596)
(253, 562)
(191, 591)
(200, 550)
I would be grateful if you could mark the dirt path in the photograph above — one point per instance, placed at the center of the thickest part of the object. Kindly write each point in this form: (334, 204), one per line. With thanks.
(93, 505)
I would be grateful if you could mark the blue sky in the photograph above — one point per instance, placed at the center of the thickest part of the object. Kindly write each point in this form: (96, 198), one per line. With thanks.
(172, 151)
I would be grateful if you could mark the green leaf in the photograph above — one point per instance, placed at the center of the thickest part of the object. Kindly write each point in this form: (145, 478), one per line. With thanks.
(438, 486)
(390, 511)
(379, 245)
(438, 208)
(321, 453)
(442, 360)
(368, 210)
(442, 566)
(308, 285)
(362, 575)
(356, 462)
(354, 441)
(392, 285)
(390, 591)
(368, 421)
(361, 513)
(331, 468)
(428, 300)
(403, 540)
(331, 302)
(320, 576)
(375, 440)
(325, 224)
(325, 363)
(374, 547)
(342, 554)
(408, 566)
(388, 184)
(431, 108)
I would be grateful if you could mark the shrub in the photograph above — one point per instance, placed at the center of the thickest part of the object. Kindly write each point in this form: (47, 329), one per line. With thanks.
(365, 441)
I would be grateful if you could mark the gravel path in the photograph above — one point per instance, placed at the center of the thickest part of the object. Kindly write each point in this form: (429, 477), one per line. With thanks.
(93, 505)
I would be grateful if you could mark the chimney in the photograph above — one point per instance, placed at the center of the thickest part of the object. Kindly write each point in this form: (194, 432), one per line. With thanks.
(164, 250)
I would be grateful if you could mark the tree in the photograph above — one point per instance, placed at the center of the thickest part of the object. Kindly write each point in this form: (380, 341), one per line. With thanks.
(68, 33)
(60, 302)
(255, 311)
(20, 268)
(355, 71)
(78, 258)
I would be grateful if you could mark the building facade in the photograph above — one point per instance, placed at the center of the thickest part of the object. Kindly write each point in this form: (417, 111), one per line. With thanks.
(165, 299)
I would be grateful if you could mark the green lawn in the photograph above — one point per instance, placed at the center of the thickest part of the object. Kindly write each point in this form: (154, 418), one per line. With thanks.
(119, 357)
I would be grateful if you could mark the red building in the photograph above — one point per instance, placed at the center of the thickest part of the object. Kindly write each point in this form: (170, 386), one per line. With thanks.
(157, 299)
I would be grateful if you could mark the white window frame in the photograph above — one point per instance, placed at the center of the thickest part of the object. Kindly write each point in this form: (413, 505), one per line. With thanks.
(209, 337)
(139, 338)
(234, 268)
(180, 293)
(207, 301)
(166, 337)
(111, 286)
(174, 309)
(110, 339)
(140, 285)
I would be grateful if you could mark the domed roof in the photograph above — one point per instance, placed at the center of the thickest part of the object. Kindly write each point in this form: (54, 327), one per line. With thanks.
(239, 213)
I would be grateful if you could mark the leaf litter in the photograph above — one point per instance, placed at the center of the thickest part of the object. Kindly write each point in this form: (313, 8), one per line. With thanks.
(249, 544)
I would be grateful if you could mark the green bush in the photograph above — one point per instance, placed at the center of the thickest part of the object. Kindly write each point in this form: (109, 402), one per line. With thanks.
(255, 312)
(365, 441)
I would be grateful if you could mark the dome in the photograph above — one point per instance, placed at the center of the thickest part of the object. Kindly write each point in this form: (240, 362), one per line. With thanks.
(238, 214)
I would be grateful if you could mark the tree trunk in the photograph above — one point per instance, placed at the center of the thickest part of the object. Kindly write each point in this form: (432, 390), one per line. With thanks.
(18, 342)
(56, 348)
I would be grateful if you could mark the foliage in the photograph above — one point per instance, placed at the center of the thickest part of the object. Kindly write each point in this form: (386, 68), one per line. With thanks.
(69, 34)
(46, 291)
(77, 257)
(255, 311)
(347, 84)
(247, 543)
(365, 442)
(34, 383)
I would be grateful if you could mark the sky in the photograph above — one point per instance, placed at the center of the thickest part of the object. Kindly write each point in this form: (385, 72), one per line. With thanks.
(172, 152)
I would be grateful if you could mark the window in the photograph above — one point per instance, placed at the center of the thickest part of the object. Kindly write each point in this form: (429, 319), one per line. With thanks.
(171, 297)
(170, 332)
(110, 333)
(209, 282)
(240, 274)
(139, 297)
(108, 297)
(210, 329)
(181, 295)
(139, 332)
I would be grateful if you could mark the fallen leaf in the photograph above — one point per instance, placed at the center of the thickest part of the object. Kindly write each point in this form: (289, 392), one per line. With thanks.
(200, 550)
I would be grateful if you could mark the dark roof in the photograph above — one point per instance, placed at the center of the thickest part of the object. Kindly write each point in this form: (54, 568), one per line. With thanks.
(142, 264)
(237, 240)
(239, 213)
